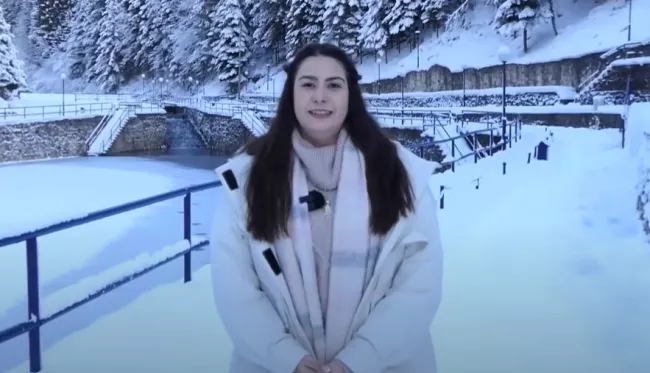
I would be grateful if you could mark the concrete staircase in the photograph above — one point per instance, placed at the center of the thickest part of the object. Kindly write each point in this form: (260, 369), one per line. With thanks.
(622, 57)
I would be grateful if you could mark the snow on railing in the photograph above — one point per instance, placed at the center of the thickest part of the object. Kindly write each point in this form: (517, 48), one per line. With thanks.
(84, 291)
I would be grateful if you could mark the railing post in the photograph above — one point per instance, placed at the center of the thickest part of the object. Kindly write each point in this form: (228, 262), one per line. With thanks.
(510, 135)
(491, 142)
(516, 130)
(33, 306)
(187, 234)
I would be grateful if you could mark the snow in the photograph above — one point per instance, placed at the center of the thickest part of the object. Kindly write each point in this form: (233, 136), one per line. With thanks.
(637, 140)
(555, 109)
(39, 107)
(584, 27)
(63, 298)
(38, 194)
(51, 99)
(632, 61)
(47, 107)
(546, 270)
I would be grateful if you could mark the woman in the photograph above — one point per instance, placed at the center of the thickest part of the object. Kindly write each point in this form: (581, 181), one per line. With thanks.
(325, 248)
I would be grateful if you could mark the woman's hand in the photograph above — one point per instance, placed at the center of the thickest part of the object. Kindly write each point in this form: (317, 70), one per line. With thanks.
(309, 365)
(336, 367)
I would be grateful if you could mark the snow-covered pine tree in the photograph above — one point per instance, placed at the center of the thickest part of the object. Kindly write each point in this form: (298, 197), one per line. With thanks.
(81, 46)
(138, 27)
(18, 15)
(36, 35)
(373, 36)
(341, 22)
(403, 16)
(186, 53)
(12, 10)
(458, 9)
(232, 52)
(12, 76)
(268, 19)
(303, 24)
(209, 38)
(436, 12)
(188, 57)
(49, 25)
(157, 44)
(108, 66)
(514, 17)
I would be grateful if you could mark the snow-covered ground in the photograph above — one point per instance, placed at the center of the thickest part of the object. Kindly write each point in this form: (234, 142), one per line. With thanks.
(584, 27)
(76, 261)
(546, 270)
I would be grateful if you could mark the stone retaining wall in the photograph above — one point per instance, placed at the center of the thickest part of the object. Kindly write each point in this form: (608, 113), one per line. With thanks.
(44, 140)
(224, 135)
(145, 132)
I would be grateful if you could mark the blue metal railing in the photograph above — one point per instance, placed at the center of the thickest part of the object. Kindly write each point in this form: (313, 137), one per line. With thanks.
(476, 149)
(33, 325)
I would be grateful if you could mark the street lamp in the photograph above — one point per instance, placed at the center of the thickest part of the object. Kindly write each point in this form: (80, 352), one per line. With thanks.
(402, 89)
(378, 76)
(268, 76)
(504, 54)
(417, 45)
(629, 21)
(142, 76)
(239, 76)
(63, 76)
(161, 80)
(464, 68)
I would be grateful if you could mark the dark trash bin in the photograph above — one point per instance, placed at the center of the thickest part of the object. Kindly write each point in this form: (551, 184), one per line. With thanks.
(541, 151)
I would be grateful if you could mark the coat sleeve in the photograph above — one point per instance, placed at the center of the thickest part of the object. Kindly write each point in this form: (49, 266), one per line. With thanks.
(255, 329)
(386, 338)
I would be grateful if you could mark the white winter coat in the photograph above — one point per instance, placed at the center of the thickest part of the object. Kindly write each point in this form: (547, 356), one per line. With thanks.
(391, 330)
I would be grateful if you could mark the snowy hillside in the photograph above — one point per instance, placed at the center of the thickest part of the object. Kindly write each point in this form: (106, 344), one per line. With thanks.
(193, 45)
(584, 26)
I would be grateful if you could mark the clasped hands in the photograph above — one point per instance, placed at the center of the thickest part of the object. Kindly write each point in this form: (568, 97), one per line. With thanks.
(310, 365)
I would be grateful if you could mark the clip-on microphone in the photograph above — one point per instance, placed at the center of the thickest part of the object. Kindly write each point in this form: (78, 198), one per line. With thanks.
(314, 200)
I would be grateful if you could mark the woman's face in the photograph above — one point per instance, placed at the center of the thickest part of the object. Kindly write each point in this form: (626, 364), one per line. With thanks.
(320, 99)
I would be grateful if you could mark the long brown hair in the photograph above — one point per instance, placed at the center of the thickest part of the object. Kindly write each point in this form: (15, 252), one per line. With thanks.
(268, 189)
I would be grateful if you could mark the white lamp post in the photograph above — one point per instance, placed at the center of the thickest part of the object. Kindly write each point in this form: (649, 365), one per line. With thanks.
(63, 76)
(378, 76)
(504, 54)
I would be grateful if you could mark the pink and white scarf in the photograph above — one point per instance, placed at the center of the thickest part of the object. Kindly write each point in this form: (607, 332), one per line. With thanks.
(353, 257)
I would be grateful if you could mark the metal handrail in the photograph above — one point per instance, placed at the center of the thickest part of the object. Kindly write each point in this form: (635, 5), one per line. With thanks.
(117, 126)
(35, 322)
(55, 110)
(99, 128)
